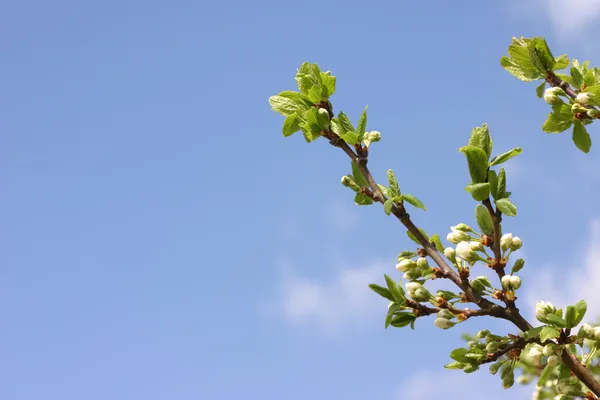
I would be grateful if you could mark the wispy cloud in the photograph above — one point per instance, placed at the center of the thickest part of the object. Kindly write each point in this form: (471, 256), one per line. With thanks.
(571, 17)
(579, 279)
(330, 305)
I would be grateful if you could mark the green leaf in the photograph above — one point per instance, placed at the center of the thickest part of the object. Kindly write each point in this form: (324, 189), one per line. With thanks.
(402, 319)
(336, 127)
(392, 309)
(480, 137)
(286, 103)
(565, 78)
(484, 219)
(459, 355)
(570, 316)
(350, 137)
(589, 79)
(540, 89)
(556, 321)
(493, 181)
(507, 207)
(414, 239)
(345, 121)
(508, 378)
(383, 292)
(505, 156)
(358, 176)
(581, 137)
(409, 198)
(455, 365)
(362, 125)
(387, 206)
(517, 266)
(291, 125)
(576, 77)
(477, 161)
(559, 120)
(519, 62)
(546, 373)
(595, 91)
(549, 332)
(396, 291)
(479, 191)
(315, 94)
(533, 332)
(540, 55)
(561, 62)
(328, 83)
(362, 200)
(501, 190)
(308, 75)
(435, 238)
(580, 308)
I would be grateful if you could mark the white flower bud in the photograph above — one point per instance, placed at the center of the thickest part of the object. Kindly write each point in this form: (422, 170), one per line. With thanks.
(492, 347)
(457, 236)
(445, 313)
(505, 281)
(586, 331)
(584, 98)
(422, 263)
(551, 95)
(535, 352)
(516, 244)
(412, 274)
(464, 251)
(597, 333)
(476, 246)
(549, 349)
(506, 241)
(461, 227)
(515, 282)
(421, 294)
(450, 254)
(543, 308)
(406, 265)
(411, 287)
(553, 360)
(444, 323)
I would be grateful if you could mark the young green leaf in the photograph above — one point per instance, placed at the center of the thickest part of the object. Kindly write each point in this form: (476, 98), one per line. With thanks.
(388, 205)
(507, 207)
(400, 320)
(546, 373)
(409, 198)
(328, 83)
(358, 176)
(480, 137)
(345, 121)
(505, 156)
(580, 308)
(362, 125)
(561, 62)
(493, 181)
(581, 137)
(533, 332)
(435, 238)
(556, 321)
(383, 292)
(540, 89)
(286, 103)
(484, 219)
(362, 200)
(576, 77)
(501, 185)
(350, 137)
(396, 290)
(595, 92)
(291, 125)
(479, 191)
(549, 332)
(540, 55)
(570, 316)
(477, 161)
(559, 120)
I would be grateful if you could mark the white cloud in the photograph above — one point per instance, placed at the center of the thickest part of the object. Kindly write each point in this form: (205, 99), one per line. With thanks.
(572, 16)
(456, 385)
(566, 284)
(332, 305)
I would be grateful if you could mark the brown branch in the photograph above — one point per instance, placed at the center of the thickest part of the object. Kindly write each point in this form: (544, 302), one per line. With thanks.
(420, 309)
(581, 371)
(516, 346)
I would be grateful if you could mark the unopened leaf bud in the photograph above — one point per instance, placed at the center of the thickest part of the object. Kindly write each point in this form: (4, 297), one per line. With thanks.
(518, 265)
(506, 241)
(348, 182)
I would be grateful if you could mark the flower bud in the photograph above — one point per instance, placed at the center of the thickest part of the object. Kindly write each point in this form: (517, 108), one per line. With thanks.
(371, 137)
(586, 331)
(450, 254)
(420, 295)
(535, 352)
(492, 347)
(457, 236)
(412, 286)
(477, 286)
(549, 349)
(516, 244)
(553, 360)
(422, 263)
(483, 333)
(584, 98)
(464, 251)
(461, 227)
(444, 323)
(518, 265)
(506, 241)
(406, 265)
(543, 308)
(476, 246)
(515, 282)
(412, 274)
(445, 313)
(348, 182)
(505, 281)
(597, 333)
(577, 108)
(551, 95)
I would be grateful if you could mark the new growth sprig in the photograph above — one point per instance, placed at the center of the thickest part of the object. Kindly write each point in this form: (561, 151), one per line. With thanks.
(471, 253)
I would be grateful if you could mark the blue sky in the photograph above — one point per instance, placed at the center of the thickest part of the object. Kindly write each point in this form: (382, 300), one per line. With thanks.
(161, 239)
